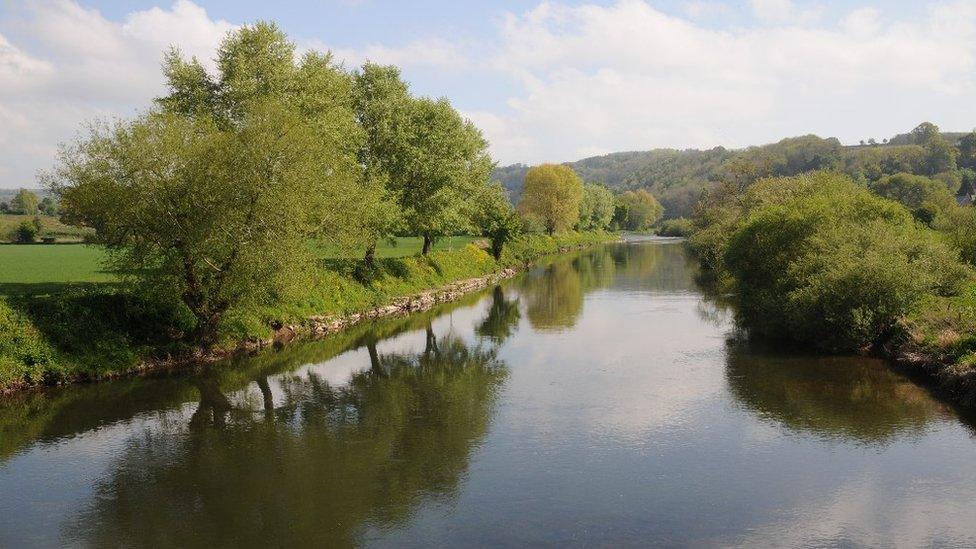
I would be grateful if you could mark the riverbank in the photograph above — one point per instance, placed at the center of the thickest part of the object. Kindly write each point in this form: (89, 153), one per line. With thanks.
(937, 341)
(89, 334)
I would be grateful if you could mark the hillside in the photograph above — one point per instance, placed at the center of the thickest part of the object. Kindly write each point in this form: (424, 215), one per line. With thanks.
(678, 177)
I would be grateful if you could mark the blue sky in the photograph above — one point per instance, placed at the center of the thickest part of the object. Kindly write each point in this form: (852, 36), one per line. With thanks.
(546, 81)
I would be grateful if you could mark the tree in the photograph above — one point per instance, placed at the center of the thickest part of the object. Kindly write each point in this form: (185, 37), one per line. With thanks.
(4, 207)
(967, 151)
(382, 102)
(914, 191)
(24, 203)
(446, 162)
(214, 218)
(553, 193)
(48, 206)
(637, 210)
(596, 208)
(256, 67)
(255, 62)
(940, 156)
(495, 218)
(924, 132)
(967, 179)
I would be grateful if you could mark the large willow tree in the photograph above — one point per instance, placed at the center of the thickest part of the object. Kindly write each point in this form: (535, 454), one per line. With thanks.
(211, 196)
(552, 193)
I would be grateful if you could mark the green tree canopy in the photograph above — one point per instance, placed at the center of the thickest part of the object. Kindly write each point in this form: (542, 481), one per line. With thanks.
(382, 101)
(967, 151)
(924, 133)
(213, 218)
(552, 193)
(210, 200)
(637, 210)
(445, 164)
(823, 261)
(24, 203)
(925, 197)
(495, 218)
(596, 208)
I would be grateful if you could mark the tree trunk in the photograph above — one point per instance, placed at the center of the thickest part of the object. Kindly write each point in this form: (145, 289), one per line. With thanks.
(370, 258)
(427, 243)
(496, 249)
(205, 332)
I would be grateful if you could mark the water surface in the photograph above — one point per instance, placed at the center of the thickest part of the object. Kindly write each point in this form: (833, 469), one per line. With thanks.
(600, 399)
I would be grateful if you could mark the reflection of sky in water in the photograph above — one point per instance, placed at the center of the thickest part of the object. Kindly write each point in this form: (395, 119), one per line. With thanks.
(626, 418)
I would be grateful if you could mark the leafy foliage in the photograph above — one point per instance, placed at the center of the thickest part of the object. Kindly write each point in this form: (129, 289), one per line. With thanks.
(596, 208)
(636, 210)
(552, 194)
(681, 226)
(817, 259)
(495, 218)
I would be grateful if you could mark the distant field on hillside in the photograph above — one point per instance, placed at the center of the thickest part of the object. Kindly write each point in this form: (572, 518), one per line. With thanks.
(50, 227)
(45, 268)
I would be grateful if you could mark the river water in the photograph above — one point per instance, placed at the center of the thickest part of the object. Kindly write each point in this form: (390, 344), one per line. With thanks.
(599, 399)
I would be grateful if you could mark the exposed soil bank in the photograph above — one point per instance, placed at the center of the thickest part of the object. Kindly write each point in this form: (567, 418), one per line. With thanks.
(951, 379)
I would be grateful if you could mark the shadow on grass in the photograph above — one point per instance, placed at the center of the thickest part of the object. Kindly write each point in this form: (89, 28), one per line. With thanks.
(42, 289)
(365, 274)
(97, 328)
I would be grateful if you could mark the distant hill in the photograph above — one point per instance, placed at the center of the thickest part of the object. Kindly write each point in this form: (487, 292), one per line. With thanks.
(678, 177)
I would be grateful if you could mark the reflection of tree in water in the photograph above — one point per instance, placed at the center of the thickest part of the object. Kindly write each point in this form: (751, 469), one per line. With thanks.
(555, 297)
(502, 318)
(554, 294)
(322, 465)
(832, 396)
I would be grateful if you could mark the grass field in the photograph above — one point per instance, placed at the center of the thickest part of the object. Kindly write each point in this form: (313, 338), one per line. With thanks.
(46, 268)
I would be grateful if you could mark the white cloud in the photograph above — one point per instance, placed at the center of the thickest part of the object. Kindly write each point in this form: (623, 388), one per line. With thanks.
(81, 65)
(628, 76)
(432, 52)
(697, 9)
(782, 11)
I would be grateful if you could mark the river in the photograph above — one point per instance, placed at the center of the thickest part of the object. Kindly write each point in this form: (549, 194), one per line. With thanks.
(598, 399)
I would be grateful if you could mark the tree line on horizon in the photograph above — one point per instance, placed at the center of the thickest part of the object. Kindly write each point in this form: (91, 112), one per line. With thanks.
(678, 178)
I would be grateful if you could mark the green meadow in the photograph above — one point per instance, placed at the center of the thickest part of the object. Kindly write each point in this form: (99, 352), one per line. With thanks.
(49, 268)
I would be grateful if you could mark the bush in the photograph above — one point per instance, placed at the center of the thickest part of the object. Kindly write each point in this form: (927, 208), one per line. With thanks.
(680, 226)
(25, 233)
(834, 266)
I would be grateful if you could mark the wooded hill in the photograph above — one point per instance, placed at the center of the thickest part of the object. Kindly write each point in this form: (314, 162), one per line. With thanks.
(677, 178)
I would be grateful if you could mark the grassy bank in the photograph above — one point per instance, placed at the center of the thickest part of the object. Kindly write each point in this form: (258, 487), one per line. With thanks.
(96, 331)
(937, 339)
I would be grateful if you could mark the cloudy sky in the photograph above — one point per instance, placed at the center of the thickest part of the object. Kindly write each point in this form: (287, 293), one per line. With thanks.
(546, 81)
